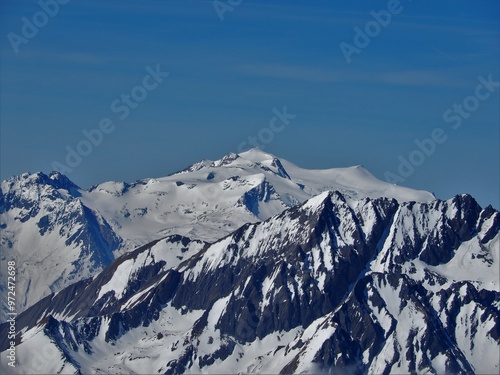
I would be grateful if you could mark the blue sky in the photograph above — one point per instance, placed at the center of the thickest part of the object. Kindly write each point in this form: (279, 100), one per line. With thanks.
(229, 70)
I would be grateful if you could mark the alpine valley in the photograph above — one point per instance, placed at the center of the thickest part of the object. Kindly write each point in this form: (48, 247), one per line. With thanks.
(249, 264)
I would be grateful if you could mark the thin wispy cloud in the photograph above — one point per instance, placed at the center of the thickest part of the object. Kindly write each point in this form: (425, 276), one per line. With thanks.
(417, 78)
(414, 78)
(290, 72)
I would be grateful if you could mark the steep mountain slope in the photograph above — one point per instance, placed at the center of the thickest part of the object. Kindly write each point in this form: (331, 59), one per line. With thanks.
(354, 285)
(48, 224)
(53, 237)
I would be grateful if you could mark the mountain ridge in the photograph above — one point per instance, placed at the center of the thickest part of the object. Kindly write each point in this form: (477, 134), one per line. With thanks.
(333, 284)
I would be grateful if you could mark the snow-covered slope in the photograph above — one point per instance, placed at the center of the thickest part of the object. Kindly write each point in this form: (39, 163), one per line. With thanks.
(335, 284)
(211, 199)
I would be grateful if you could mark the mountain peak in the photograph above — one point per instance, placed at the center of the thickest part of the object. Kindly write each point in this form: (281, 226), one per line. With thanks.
(62, 181)
(317, 201)
(256, 155)
(55, 179)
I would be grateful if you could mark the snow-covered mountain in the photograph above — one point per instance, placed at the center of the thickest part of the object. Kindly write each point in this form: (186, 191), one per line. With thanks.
(54, 238)
(59, 234)
(342, 283)
(211, 199)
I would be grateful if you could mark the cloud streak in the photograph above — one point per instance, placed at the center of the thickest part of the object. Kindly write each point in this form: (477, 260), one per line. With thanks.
(413, 78)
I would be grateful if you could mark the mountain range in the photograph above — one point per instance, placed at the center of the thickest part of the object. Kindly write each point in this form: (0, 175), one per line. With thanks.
(50, 224)
(250, 264)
